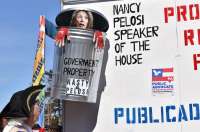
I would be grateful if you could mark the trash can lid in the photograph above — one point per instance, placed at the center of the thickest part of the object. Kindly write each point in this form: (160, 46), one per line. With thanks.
(99, 21)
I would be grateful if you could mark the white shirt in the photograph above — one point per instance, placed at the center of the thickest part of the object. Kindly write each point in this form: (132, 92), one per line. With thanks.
(15, 125)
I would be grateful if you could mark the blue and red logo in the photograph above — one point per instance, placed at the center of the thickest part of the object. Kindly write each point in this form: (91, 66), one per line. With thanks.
(163, 80)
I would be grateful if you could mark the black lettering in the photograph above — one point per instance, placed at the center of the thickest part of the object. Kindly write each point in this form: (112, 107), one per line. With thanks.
(126, 8)
(128, 59)
(145, 32)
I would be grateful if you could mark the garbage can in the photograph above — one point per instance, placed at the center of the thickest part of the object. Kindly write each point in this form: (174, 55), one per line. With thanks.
(77, 65)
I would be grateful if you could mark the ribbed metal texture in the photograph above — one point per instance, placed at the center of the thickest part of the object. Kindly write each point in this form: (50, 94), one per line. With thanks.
(77, 67)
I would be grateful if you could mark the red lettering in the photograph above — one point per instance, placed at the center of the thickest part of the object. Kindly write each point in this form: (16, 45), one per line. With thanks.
(184, 12)
(195, 61)
(169, 11)
(194, 15)
(188, 37)
(198, 32)
(181, 11)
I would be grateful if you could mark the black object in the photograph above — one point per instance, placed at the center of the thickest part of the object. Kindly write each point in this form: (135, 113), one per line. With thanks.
(99, 21)
(21, 102)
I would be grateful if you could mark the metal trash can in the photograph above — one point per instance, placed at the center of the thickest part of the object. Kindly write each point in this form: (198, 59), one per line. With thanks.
(77, 65)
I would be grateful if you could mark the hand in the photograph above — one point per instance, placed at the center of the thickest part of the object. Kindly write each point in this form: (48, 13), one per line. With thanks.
(62, 33)
(99, 39)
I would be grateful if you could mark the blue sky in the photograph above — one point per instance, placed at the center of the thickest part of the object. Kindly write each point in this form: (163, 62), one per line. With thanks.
(19, 28)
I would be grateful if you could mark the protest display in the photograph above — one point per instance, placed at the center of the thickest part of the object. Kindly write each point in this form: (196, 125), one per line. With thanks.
(151, 66)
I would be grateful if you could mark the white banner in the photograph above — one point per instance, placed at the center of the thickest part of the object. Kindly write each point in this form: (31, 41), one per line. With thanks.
(153, 67)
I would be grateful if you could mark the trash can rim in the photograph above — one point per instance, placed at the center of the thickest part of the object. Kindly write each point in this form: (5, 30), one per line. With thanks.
(100, 21)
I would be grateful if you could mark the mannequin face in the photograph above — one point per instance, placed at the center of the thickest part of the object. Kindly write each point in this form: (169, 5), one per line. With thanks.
(82, 19)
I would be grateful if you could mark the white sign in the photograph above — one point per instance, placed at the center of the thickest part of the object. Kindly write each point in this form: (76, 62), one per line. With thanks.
(77, 87)
(147, 40)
